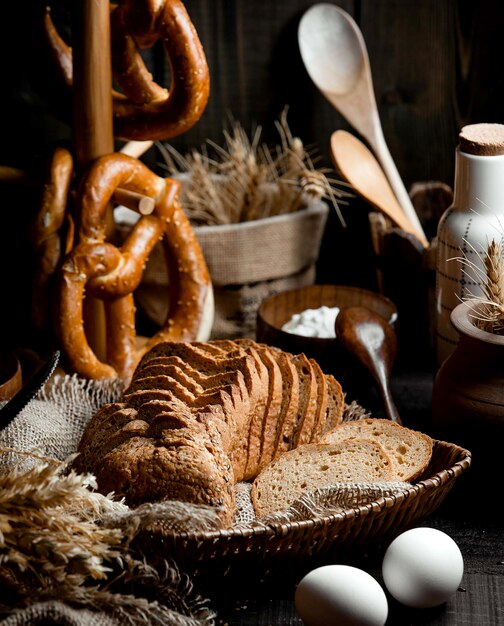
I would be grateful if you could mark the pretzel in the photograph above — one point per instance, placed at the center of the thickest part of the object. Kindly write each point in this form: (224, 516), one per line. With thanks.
(112, 274)
(45, 234)
(146, 110)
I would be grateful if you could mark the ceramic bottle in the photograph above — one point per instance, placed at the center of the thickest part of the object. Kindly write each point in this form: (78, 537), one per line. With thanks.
(475, 218)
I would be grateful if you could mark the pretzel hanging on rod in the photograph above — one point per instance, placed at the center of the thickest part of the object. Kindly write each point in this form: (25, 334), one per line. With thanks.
(94, 268)
(145, 110)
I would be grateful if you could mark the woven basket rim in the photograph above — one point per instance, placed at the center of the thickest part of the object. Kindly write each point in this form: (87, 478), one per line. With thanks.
(314, 208)
(273, 529)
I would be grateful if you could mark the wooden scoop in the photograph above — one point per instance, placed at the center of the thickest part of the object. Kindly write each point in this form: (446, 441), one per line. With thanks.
(358, 166)
(335, 56)
(373, 342)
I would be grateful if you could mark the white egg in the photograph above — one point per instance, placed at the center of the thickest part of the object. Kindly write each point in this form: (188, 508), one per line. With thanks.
(343, 595)
(422, 568)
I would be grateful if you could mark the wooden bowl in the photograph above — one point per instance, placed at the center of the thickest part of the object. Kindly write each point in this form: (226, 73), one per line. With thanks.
(276, 310)
(11, 377)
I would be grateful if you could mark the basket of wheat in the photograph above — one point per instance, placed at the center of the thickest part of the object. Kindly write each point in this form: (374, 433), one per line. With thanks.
(259, 215)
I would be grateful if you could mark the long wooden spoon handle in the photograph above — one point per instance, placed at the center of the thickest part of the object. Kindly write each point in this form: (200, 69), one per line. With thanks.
(382, 152)
(359, 167)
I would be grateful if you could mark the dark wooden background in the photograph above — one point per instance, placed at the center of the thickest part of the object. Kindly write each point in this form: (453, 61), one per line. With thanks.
(436, 66)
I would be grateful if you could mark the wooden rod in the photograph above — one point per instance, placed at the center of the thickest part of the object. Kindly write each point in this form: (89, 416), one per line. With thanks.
(92, 70)
(131, 199)
(93, 122)
(134, 201)
(136, 148)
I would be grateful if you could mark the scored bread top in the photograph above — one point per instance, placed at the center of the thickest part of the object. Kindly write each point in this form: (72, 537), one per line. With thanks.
(315, 465)
(241, 402)
(410, 450)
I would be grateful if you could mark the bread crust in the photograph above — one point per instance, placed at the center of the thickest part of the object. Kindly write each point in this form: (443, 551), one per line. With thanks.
(410, 450)
(318, 465)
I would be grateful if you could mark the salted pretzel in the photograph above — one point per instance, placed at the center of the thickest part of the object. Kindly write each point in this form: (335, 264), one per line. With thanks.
(146, 110)
(45, 234)
(112, 274)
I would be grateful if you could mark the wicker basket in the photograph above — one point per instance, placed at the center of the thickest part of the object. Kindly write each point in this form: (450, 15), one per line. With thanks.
(257, 554)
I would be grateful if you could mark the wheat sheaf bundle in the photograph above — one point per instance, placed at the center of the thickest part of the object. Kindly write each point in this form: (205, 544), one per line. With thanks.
(245, 180)
(60, 541)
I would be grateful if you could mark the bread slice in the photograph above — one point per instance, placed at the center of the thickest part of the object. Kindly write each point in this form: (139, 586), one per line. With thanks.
(307, 397)
(247, 458)
(410, 450)
(289, 405)
(316, 421)
(335, 405)
(273, 410)
(315, 466)
(244, 456)
(259, 413)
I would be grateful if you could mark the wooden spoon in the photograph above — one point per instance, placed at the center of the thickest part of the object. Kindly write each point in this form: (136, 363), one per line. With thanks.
(373, 342)
(334, 53)
(358, 166)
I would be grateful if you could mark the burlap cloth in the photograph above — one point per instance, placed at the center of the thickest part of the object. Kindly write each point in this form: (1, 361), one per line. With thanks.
(48, 428)
(35, 467)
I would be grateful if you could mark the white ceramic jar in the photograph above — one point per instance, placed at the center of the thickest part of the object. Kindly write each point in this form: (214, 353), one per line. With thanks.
(475, 218)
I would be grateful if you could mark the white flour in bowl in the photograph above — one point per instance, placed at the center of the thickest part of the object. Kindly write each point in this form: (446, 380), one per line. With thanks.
(313, 323)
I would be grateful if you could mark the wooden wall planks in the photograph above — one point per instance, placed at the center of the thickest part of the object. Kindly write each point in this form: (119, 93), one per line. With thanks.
(432, 61)
(436, 66)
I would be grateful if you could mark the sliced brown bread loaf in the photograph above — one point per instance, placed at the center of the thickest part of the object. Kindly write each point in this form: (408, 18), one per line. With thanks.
(410, 450)
(313, 466)
(240, 402)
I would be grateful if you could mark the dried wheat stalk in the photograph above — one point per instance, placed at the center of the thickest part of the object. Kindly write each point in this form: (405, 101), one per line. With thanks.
(490, 314)
(47, 526)
(245, 180)
(62, 541)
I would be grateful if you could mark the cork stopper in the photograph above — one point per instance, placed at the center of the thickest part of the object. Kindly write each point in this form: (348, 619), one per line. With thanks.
(482, 139)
